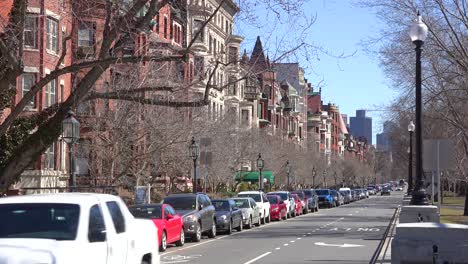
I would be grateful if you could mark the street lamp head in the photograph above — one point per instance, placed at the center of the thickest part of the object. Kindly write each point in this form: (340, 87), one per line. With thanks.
(194, 149)
(70, 129)
(418, 31)
(260, 162)
(411, 127)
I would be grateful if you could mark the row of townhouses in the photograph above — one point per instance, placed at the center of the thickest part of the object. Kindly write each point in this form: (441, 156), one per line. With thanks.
(260, 94)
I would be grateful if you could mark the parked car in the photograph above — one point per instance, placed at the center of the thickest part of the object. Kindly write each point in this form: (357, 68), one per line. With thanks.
(386, 191)
(262, 202)
(399, 188)
(169, 223)
(250, 211)
(306, 201)
(74, 228)
(288, 200)
(347, 197)
(371, 190)
(360, 193)
(278, 210)
(298, 203)
(339, 200)
(228, 215)
(355, 195)
(197, 213)
(325, 198)
(313, 199)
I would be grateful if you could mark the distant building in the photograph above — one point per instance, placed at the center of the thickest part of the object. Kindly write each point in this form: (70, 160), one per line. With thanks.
(361, 126)
(383, 139)
(345, 119)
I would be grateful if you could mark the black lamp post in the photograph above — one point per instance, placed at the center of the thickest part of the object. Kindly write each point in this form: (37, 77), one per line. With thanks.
(410, 158)
(314, 173)
(194, 154)
(71, 135)
(288, 172)
(260, 166)
(418, 33)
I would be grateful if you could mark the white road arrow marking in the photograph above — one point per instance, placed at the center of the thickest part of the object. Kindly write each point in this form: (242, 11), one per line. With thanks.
(337, 245)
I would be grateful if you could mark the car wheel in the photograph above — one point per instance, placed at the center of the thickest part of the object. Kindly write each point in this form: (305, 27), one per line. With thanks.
(181, 241)
(249, 225)
(163, 245)
(212, 232)
(197, 236)
(240, 227)
(262, 220)
(229, 230)
(259, 222)
(268, 220)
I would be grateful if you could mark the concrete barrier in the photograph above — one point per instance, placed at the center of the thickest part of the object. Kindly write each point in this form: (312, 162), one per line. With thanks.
(415, 243)
(419, 213)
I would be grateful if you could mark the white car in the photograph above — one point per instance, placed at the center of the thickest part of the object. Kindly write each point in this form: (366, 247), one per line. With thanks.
(262, 202)
(74, 228)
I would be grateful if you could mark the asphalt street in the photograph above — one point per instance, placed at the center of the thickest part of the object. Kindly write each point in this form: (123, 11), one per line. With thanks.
(346, 234)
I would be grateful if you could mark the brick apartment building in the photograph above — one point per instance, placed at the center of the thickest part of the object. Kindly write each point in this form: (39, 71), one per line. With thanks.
(47, 23)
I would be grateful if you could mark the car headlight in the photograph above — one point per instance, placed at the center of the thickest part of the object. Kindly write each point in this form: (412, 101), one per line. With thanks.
(190, 218)
(223, 217)
(275, 209)
(245, 215)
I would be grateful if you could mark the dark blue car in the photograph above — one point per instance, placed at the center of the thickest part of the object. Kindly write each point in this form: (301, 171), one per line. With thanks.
(325, 198)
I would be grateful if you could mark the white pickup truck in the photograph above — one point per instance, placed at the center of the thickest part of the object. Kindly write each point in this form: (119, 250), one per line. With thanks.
(74, 228)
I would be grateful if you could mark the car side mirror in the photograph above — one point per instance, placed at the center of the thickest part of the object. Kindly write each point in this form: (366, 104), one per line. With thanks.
(169, 216)
(97, 235)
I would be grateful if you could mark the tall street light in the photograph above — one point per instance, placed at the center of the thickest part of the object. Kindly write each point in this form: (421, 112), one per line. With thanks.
(71, 135)
(314, 174)
(194, 150)
(288, 171)
(418, 33)
(410, 158)
(260, 166)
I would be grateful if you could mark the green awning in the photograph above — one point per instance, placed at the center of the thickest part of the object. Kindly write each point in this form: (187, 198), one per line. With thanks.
(252, 176)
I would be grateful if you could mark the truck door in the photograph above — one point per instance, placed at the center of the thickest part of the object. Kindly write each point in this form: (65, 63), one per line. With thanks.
(118, 240)
(96, 250)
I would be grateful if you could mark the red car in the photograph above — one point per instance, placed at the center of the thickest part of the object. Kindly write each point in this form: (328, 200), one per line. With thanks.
(170, 225)
(278, 210)
(298, 202)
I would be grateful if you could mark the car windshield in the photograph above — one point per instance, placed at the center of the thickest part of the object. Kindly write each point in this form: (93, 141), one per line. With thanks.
(308, 193)
(322, 192)
(370, 188)
(283, 196)
(242, 203)
(300, 194)
(221, 205)
(255, 196)
(146, 212)
(273, 199)
(39, 220)
(181, 203)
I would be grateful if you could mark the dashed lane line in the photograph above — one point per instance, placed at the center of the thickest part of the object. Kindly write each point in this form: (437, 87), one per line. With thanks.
(259, 257)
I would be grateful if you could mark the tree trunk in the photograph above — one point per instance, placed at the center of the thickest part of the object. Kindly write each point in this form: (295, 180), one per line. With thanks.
(466, 199)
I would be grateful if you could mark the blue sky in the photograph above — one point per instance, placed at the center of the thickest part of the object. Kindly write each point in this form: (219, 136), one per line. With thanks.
(355, 82)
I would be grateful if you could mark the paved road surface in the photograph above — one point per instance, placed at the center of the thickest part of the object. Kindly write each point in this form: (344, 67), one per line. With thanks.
(347, 234)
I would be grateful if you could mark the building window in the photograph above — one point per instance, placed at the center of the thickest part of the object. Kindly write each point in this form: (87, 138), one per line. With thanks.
(233, 55)
(52, 35)
(211, 45)
(49, 157)
(165, 27)
(245, 117)
(86, 41)
(30, 31)
(62, 88)
(199, 67)
(50, 93)
(198, 26)
(27, 81)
